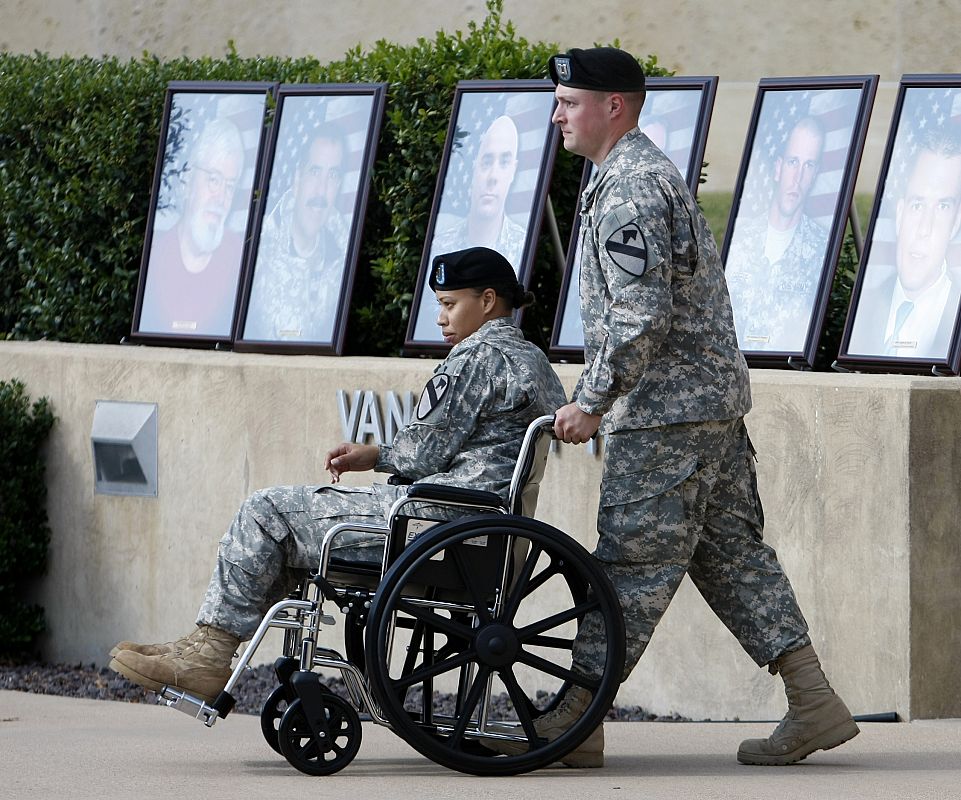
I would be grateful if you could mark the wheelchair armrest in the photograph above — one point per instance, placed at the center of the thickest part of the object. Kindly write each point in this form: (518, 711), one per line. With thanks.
(454, 494)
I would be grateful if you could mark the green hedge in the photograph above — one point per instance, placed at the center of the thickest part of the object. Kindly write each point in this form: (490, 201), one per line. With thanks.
(78, 140)
(24, 533)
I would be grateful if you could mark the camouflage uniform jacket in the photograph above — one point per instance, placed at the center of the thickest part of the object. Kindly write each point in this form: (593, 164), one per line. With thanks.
(773, 302)
(294, 297)
(510, 240)
(472, 415)
(659, 341)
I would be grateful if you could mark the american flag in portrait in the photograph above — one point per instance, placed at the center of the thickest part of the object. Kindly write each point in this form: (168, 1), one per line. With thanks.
(531, 113)
(669, 118)
(301, 118)
(835, 109)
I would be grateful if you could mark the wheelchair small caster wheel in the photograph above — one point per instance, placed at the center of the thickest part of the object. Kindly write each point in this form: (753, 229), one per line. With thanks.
(328, 745)
(277, 702)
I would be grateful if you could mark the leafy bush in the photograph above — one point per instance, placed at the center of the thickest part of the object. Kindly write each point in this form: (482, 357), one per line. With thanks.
(838, 302)
(77, 148)
(24, 533)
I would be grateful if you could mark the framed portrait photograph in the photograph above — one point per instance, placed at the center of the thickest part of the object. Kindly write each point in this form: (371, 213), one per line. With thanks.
(790, 210)
(676, 116)
(904, 306)
(198, 223)
(309, 218)
(491, 188)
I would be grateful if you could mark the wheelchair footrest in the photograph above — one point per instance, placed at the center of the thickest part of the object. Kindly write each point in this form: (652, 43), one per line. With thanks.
(208, 713)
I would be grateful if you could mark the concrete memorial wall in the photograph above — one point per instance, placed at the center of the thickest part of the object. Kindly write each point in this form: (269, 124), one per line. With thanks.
(859, 475)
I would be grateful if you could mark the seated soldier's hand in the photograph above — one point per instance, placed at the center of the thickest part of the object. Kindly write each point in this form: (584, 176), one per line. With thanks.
(350, 457)
(574, 426)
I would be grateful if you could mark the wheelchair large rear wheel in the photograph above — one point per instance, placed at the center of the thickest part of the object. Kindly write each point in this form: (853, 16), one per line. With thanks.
(470, 638)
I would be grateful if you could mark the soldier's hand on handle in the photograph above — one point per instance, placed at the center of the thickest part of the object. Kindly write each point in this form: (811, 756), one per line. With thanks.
(574, 426)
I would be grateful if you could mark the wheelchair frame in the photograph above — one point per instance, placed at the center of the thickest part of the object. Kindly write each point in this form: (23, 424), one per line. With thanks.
(430, 585)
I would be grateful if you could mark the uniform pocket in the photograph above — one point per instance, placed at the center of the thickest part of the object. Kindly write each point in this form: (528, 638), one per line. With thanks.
(289, 499)
(633, 487)
(250, 553)
(343, 501)
(641, 516)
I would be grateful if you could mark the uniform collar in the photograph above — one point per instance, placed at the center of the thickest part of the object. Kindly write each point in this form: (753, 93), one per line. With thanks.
(491, 328)
(620, 146)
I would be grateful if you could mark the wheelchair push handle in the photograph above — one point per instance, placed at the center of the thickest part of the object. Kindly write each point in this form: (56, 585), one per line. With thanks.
(539, 424)
(537, 430)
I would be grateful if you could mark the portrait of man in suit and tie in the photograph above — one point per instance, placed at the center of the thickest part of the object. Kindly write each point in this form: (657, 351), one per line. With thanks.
(911, 312)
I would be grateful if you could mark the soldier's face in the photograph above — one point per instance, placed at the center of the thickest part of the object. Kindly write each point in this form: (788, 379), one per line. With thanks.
(583, 117)
(317, 185)
(462, 312)
(927, 218)
(796, 169)
(494, 169)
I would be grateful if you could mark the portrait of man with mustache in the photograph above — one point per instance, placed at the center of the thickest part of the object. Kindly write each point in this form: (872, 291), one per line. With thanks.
(300, 262)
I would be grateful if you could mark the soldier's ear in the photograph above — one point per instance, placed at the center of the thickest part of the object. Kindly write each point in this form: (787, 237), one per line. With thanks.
(488, 300)
(615, 103)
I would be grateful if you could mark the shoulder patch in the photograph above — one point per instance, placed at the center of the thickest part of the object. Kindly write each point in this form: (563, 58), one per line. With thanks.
(628, 249)
(433, 393)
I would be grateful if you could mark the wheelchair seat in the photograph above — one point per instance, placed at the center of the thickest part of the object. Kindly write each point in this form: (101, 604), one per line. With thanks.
(521, 499)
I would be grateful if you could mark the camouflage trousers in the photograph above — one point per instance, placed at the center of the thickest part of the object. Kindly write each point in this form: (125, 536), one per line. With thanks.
(274, 541)
(682, 500)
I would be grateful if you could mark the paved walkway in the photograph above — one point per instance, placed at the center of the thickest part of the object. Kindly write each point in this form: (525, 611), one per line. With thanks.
(53, 747)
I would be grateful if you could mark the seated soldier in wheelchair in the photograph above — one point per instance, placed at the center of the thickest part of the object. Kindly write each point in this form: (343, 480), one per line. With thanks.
(466, 432)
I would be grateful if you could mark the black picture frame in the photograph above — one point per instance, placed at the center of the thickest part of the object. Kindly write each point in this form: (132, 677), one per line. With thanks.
(309, 216)
(487, 115)
(914, 225)
(676, 116)
(199, 214)
(790, 209)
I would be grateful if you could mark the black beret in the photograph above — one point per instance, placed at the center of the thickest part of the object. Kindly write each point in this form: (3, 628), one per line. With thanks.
(474, 268)
(604, 69)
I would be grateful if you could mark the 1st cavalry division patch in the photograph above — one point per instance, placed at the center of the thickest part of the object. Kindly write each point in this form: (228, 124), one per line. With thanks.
(433, 393)
(627, 249)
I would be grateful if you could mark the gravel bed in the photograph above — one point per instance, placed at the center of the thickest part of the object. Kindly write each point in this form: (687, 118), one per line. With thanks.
(91, 682)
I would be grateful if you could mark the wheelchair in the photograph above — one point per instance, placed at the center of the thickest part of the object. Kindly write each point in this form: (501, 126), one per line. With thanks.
(462, 634)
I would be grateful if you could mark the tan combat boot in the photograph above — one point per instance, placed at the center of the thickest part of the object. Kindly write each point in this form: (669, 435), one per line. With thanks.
(157, 649)
(201, 668)
(590, 753)
(817, 718)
